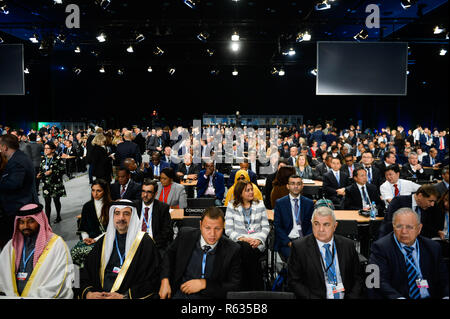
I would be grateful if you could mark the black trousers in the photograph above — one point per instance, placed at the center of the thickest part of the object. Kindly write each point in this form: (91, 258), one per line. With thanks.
(252, 276)
(48, 207)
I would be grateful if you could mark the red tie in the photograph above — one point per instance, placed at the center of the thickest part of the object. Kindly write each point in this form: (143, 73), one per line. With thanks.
(123, 191)
(144, 222)
(441, 146)
(397, 192)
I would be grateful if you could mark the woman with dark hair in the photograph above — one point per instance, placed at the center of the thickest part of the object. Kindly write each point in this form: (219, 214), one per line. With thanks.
(246, 223)
(279, 183)
(94, 220)
(170, 192)
(51, 171)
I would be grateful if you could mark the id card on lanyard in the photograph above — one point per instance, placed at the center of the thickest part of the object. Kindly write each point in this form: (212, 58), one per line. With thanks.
(22, 275)
(47, 164)
(121, 258)
(247, 221)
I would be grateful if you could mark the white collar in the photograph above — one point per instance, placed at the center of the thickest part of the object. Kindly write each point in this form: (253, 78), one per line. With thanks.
(321, 243)
(149, 206)
(361, 186)
(292, 197)
(203, 243)
(126, 185)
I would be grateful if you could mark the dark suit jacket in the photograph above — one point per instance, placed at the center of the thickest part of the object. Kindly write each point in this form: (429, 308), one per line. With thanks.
(226, 275)
(283, 222)
(353, 199)
(162, 165)
(128, 149)
(17, 183)
(393, 272)
(193, 169)
(161, 223)
(441, 188)
(408, 173)
(140, 141)
(330, 185)
(426, 161)
(89, 222)
(268, 190)
(305, 273)
(376, 175)
(218, 182)
(101, 163)
(400, 202)
(321, 169)
(132, 192)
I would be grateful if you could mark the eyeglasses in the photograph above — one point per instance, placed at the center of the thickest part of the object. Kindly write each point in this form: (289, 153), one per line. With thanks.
(148, 192)
(407, 227)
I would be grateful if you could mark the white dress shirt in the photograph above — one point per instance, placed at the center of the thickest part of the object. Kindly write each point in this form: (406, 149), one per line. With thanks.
(150, 212)
(338, 272)
(405, 187)
(296, 229)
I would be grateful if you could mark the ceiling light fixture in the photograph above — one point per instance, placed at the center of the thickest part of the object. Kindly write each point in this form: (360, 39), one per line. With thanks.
(281, 72)
(139, 37)
(102, 69)
(313, 72)
(172, 71)
(407, 3)
(235, 36)
(361, 35)
(77, 49)
(130, 49)
(202, 36)
(322, 5)
(34, 38)
(235, 72)
(26, 71)
(150, 69)
(235, 46)
(438, 30)
(76, 70)
(443, 52)
(210, 52)
(303, 36)
(158, 51)
(190, 3)
(101, 37)
(3, 7)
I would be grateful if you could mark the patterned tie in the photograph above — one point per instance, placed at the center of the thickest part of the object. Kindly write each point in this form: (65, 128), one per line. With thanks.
(144, 224)
(331, 273)
(296, 208)
(414, 291)
(122, 191)
(397, 192)
(366, 199)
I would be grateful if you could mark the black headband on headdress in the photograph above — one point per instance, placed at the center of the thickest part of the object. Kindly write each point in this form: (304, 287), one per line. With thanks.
(123, 203)
(38, 209)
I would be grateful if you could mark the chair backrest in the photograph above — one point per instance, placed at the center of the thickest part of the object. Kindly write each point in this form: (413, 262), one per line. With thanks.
(260, 295)
(374, 227)
(200, 202)
(224, 209)
(347, 228)
(193, 222)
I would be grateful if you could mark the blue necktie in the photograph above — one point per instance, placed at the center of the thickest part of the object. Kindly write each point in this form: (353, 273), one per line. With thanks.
(297, 218)
(337, 178)
(331, 272)
(414, 291)
(366, 199)
(369, 175)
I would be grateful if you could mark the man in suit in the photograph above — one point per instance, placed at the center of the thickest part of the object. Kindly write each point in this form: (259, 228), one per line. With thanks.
(323, 168)
(441, 144)
(17, 185)
(388, 159)
(442, 187)
(293, 153)
(201, 263)
(187, 168)
(373, 173)
(139, 139)
(426, 140)
(431, 160)
(211, 183)
(244, 166)
(422, 202)
(128, 149)
(349, 165)
(361, 194)
(70, 154)
(292, 217)
(413, 170)
(155, 142)
(136, 174)
(410, 265)
(156, 165)
(334, 182)
(125, 187)
(167, 157)
(323, 265)
(154, 216)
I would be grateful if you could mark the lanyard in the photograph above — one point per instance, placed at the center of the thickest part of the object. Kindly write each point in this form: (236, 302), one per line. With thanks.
(333, 262)
(247, 218)
(25, 260)
(407, 259)
(46, 161)
(297, 214)
(118, 252)
(448, 225)
(204, 264)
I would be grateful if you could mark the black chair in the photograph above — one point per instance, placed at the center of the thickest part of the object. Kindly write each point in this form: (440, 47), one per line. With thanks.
(224, 209)
(348, 228)
(200, 202)
(260, 295)
(193, 222)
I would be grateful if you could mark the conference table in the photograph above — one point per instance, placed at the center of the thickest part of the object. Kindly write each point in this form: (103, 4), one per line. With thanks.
(306, 183)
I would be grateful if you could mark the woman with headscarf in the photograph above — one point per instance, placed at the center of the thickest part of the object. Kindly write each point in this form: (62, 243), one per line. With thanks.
(242, 175)
(35, 263)
(51, 173)
(124, 262)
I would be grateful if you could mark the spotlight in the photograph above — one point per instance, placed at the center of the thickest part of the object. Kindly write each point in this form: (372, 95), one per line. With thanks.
(1, 40)
(57, 2)
(3, 7)
(26, 71)
(139, 37)
(291, 52)
(101, 37)
(103, 3)
(61, 37)
(77, 71)
(190, 3)
(120, 71)
(362, 35)
(102, 69)
(235, 37)
(202, 36)
(443, 52)
(323, 5)
(77, 49)
(210, 52)
(45, 47)
(214, 72)
(303, 36)
(438, 30)
(130, 49)
(235, 46)
(281, 72)
(407, 3)
(314, 72)
(94, 53)
(149, 69)
(34, 38)
(171, 71)
(235, 72)
(158, 51)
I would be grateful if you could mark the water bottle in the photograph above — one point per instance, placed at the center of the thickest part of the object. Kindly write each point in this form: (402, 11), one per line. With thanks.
(373, 211)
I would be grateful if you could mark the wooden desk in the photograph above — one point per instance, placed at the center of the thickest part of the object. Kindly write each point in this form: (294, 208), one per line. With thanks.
(262, 183)
(340, 215)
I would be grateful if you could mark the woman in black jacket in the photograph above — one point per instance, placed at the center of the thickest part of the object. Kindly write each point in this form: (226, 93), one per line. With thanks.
(99, 158)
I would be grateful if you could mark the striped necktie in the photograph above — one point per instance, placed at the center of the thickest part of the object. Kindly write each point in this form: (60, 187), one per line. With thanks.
(414, 291)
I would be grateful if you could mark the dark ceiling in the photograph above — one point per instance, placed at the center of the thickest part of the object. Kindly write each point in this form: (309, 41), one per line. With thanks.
(266, 29)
